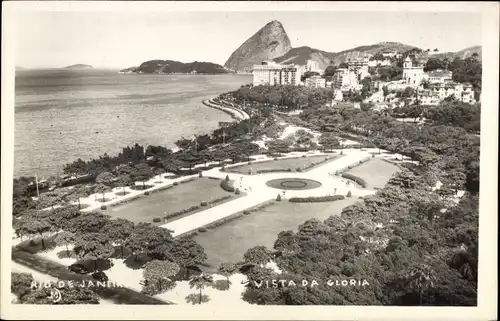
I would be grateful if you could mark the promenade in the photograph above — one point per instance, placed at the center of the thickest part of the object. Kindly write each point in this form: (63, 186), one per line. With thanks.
(236, 113)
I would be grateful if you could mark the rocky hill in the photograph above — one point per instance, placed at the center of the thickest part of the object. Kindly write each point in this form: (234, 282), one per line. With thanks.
(361, 51)
(268, 43)
(301, 55)
(323, 58)
(79, 66)
(176, 67)
(462, 54)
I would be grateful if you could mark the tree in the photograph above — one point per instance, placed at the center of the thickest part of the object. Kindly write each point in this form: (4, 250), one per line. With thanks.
(34, 227)
(227, 269)
(186, 252)
(65, 238)
(156, 273)
(200, 282)
(257, 255)
(105, 178)
(329, 141)
(433, 64)
(118, 231)
(277, 147)
(93, 246)
(421, 278)
(88, 223)
(151, 240)
(102, 189)
(20, 284)
(142, 173)
(183, 143)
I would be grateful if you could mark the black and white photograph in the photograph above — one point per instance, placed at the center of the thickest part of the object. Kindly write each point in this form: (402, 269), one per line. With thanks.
(233, 157)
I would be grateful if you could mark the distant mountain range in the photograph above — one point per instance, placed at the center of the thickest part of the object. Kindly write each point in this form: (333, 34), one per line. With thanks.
(79, 66)
(462, 54)
(272, 43)
(176, 67)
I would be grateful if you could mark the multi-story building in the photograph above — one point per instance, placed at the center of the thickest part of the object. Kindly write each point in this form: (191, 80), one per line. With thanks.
(439, 76)
(413, 74)
(427, 97)
(271, 73)
(391, 54)
(468, 94)
(315, 82)
(359, 66)
(440, 91)
(345, 78)
(313, 66)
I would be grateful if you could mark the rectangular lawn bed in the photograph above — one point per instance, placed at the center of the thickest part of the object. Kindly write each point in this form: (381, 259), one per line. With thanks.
(229, 241)
(376, 172)
(285, 164)
(177, 198)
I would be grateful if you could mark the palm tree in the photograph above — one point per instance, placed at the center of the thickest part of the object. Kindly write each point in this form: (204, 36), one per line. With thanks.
(200, 281)
(421, 278)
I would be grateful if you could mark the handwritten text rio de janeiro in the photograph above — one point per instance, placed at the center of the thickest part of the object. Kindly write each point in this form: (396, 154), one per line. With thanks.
(75, 284)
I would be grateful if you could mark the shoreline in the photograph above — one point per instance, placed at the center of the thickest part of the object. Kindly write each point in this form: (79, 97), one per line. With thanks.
(235, 113)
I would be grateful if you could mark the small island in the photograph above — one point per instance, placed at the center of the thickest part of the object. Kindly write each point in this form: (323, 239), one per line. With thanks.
(79, 66)
(175, 67)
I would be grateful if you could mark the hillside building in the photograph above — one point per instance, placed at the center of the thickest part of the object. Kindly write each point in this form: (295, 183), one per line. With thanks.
(350, 77)
(313, 66)
(315, 82)
(271, 73)
(413, 74)
(439, 76)
(438, 92)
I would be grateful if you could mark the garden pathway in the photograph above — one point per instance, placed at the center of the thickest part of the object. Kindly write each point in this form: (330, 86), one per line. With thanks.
(258, 192)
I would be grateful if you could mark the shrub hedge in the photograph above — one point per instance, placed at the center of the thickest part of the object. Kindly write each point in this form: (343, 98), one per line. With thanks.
(203, 203)
(104, 207)
(276, 170)
(316, 199)
(157, 220)
(224, 184)
(176, 183)
(355, 178)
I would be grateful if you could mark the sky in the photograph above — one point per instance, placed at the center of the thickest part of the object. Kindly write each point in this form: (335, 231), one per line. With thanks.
(118, 40)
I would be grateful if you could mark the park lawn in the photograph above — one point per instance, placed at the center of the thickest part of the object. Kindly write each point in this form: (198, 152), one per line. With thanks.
(228, 242)
(283, 164)
(174, 199)
(376, 172)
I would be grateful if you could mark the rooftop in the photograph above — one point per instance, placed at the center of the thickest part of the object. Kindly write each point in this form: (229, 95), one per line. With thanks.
(440, 73)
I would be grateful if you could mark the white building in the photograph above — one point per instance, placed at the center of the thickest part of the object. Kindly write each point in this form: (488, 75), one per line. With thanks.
(315, 82)
(438, 92)
(413, 75)
(439, 76)
(271, 73)
(349, 78)
(338, 95)
(375, 63)
(390, 54)
(313, 66)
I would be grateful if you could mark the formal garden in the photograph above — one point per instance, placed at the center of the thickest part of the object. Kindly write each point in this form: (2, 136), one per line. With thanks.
(173, 203)
(373, 174)
(289, 164)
